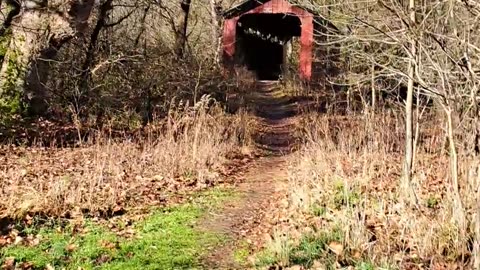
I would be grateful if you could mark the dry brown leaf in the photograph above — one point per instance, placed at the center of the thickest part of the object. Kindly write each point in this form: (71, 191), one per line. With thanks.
(26, 266)
(71, 248)
(35, 241)
(9, 264)
(18, 240)
(336, 248)
(356, 255)
(317, 265)
(3, 242)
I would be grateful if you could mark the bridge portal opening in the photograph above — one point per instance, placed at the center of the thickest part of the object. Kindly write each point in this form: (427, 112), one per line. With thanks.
(263, 40)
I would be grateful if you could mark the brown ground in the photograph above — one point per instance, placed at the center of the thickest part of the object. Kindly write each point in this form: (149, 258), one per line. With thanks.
(262, 185)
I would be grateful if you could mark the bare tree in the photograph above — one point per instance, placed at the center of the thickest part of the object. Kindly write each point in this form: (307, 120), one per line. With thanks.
(407, 171)
(181, 34)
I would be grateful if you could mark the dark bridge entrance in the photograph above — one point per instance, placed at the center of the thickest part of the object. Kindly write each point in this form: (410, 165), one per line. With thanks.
(255, 33)
(261, 42)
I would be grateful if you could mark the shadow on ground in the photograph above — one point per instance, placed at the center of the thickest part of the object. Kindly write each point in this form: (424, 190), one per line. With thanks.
(276, 112)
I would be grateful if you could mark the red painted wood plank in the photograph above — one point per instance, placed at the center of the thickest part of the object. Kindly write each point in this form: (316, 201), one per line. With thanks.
(306, 46)
(229, 37)
(276, 6)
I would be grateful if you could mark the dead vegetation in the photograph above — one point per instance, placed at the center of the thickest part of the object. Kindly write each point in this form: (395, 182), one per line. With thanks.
(186, 151)
(346, 205)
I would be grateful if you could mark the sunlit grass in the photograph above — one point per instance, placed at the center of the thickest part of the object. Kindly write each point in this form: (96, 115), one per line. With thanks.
(165, 239)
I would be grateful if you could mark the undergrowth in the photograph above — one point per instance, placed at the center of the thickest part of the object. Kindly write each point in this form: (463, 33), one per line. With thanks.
(164, 239)
(345, 210)
(184, 152)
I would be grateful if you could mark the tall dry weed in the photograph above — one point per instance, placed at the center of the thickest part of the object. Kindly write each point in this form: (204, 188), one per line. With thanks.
(350, 168)
(184, 151)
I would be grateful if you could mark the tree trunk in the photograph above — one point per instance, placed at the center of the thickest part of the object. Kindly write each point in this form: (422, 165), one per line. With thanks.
(215, 28)
(374, 94)
(8, 9)
(90, 53)
(407, 187)
(181, 35)
(38, 34)
(458, 211)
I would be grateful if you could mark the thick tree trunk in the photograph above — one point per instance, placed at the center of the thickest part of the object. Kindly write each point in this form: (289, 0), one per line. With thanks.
(181, 35)
(38, 33)
(9, 9)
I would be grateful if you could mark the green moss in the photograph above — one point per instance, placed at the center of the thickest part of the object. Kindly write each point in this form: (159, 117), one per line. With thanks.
(166, 239)
(12, 88)
(4, 42)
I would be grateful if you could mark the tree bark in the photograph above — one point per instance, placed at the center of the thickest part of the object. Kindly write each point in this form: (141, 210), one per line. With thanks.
(374, 94)
(105, 8)
(407, 171)
(39, 32)
(181, 35)
(9, 9)
(215, 33)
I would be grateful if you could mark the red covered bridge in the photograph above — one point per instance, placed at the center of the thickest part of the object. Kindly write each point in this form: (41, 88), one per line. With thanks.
(256, 34)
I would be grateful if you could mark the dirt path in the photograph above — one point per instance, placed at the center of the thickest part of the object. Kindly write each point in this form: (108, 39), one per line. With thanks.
(263, 184)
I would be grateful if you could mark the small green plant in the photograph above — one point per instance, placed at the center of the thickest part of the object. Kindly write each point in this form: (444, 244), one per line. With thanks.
(310, 248)
(432, 202)
(266, 258)
(345, 196)
(241, 254)
(365, 266)
(4, 42)
(318, 211)
(315, 246)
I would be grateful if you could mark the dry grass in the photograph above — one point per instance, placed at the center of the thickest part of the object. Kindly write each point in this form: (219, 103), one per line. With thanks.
(346, 177)
(183, 152)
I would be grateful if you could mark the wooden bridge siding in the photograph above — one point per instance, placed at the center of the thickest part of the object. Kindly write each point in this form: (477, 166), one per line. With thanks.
(275, 6)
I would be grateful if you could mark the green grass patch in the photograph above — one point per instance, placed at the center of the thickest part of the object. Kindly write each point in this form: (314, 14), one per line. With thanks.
(311, 248)
(166, 239)
(315, 246)
(241, 253)
(345, 196)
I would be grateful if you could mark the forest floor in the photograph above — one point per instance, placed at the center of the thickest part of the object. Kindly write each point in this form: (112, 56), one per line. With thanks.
(269, 187)
(210, 220)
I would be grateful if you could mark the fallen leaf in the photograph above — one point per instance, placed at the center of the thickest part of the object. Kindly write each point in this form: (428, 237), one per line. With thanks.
(3, 242)
(102, 259)
(71, 248)
(158, 178)
(35, 241)
(9, 264)
(26, 266)
(336, 248)
(317, 265)
(108, 244)
(18, 240)
(357, 255)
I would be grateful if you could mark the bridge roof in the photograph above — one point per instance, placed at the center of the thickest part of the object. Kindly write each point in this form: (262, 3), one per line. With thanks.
(248, 5)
